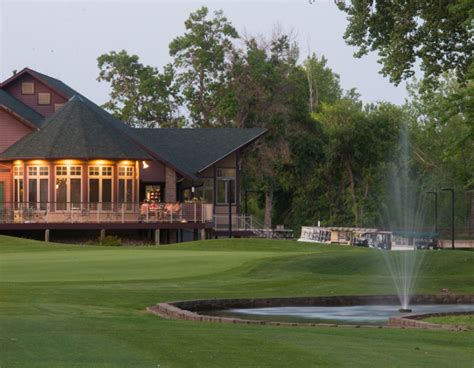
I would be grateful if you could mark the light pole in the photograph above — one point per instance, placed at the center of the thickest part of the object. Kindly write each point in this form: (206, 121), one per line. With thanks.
(452, 214)
(436, 210)
(229, 200)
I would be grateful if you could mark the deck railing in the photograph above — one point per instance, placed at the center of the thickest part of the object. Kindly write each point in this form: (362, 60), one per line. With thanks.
(55, 212)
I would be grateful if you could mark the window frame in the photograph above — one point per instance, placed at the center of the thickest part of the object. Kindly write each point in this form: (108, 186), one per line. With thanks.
(38, 173)
(100, 176)
(23, 89)
(68, 178)
(226, 179)
(44, 94)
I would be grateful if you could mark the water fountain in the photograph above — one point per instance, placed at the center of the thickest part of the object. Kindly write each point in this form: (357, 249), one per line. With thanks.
(404, 214)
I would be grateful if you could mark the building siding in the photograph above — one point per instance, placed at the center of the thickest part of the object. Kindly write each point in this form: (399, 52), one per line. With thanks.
(170, 188)
(14, 88)
(12, 130)
(6, 179)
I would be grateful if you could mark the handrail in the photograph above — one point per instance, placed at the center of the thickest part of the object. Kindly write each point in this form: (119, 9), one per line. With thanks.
(104, 212)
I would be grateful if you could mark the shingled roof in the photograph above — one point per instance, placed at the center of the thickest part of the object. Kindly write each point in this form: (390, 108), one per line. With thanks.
(194, 150)
(20, 109)
(78, 131)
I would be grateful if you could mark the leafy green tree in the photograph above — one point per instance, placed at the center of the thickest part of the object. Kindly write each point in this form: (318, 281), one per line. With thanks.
(201, 58)
(323, 84)
(141, 96)
(358, 143)
(438, 33)
(443, 144)
(263, 90)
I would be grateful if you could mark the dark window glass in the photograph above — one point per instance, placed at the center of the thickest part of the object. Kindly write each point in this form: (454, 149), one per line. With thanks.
(61, 193)
(44, 187)
(76, 191)
(32, 191)
(106, 190)
(129, 190)
(94, 190)
(121, 191)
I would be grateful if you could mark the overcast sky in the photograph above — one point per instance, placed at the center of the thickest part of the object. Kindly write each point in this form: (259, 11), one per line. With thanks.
(64, 38)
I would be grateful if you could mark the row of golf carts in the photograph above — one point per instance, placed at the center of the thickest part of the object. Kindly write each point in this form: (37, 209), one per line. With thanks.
(367, 237)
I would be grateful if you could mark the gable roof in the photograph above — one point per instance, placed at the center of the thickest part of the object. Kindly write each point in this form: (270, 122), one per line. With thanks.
(23, 111)
(82, 129)
(77, 131)
(194, 150)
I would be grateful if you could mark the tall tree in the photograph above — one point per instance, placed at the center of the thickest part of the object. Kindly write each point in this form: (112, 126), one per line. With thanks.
(359, 141)
(264, 89)
(438, 33)
(201, 56)
(323, 84)
(141, 96)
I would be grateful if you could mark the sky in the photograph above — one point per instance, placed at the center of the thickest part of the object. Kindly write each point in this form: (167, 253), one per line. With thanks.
(64, 38)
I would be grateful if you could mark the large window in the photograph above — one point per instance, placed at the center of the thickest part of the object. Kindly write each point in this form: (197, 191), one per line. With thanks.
(206, 192)
(226, 186)
(100, 185)
(68, 187)
(125, 185)
(38, 186)
(18, 183)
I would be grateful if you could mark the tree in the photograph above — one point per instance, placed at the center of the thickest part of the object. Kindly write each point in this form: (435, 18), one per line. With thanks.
(201, 56)
(443, 142)
(265, 87)
(141, 96)
(438, 33)
(323, 83)
(358, 143)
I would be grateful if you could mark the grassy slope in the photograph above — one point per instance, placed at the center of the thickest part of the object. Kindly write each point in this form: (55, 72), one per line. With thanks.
(69, 306)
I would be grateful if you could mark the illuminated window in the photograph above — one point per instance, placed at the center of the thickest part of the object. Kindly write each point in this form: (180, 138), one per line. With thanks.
(38, 186)
(27, 88)
(44, 98)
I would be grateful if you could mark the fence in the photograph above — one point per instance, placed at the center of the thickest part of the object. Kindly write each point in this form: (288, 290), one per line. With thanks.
(68, 212)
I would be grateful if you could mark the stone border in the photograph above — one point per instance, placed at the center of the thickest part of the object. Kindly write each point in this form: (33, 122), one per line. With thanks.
(415, 321)
(191, 310)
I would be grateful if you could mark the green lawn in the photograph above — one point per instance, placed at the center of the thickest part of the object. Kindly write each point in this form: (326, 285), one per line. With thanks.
(467, 320)
(72, 306)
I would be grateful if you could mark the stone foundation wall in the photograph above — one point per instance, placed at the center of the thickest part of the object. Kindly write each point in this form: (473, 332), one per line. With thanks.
(188, 310)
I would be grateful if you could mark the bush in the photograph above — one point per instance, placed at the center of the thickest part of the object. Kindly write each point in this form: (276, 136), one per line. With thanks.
(110, 241)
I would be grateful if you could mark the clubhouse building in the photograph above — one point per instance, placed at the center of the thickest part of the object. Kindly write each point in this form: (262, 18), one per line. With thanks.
(65, 163)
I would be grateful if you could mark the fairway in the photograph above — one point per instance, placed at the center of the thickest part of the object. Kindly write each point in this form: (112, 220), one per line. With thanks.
(84, 306)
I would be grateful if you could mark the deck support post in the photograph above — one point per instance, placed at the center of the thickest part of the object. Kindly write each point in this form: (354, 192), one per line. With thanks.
(46, 236)
(102, 234)
(203, 234)
(157, 236)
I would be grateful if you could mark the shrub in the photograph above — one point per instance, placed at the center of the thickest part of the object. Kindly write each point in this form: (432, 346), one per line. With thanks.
(110, 241)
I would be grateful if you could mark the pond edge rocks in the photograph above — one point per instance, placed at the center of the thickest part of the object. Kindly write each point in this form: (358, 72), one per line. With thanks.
(195, 310)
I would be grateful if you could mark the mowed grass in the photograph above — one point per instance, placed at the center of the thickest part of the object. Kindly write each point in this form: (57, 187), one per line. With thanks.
(467, 320)
(73, 306)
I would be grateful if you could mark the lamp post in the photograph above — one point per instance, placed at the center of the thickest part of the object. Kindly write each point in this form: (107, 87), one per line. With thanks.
(452, 214)
(229, 200)
(436, 210)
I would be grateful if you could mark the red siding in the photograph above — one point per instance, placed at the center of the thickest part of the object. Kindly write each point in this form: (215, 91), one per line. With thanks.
(14, 88)
(6, 178)
(11, 130)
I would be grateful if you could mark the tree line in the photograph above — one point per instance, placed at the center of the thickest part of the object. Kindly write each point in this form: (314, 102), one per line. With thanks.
(326, 155)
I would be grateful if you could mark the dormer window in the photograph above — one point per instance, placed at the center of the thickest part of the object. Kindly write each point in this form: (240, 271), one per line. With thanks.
(44, 98)
(27, 88)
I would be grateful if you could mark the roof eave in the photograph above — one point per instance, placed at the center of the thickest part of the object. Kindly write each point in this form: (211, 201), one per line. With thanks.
(34, 75)
(19, 117)
(253, 139)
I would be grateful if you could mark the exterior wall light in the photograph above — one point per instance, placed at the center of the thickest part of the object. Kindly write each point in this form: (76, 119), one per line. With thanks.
(145, 165)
